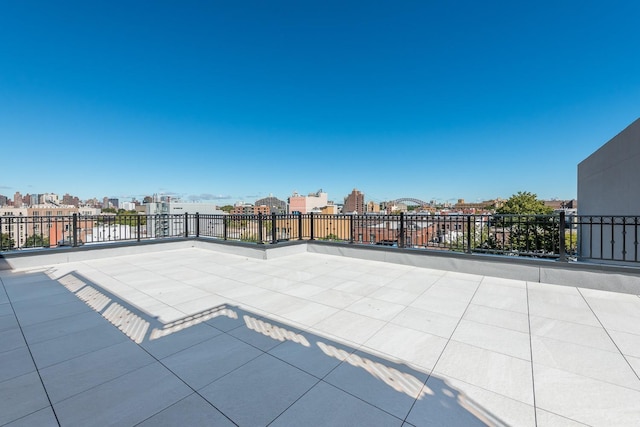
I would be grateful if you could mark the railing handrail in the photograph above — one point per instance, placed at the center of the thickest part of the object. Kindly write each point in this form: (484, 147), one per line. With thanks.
(559, 235)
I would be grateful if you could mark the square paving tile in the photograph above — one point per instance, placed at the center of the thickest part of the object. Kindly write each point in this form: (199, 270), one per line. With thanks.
(259, 391)
(21, 396)
(126, 400)
(392, 387)
(203, 363)
(190, 411)
(84, 372)
(329, 406)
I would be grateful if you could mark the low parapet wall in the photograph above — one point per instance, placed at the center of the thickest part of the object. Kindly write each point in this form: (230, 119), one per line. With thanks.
(580, 274)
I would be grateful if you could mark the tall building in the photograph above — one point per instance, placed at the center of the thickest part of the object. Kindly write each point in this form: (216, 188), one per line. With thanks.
(354, 203)
(17, 200)
(308, 203)
(70, 200)
(114, 203)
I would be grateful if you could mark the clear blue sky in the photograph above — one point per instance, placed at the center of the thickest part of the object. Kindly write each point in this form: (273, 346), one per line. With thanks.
(235, 100)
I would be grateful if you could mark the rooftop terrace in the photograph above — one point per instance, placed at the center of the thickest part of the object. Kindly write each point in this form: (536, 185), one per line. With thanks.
(204, 334)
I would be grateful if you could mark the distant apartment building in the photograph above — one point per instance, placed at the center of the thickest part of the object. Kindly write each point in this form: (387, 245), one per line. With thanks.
(330, 209)
(306, 204)
(168, 217)
(354, 203)
(274, 204)
(562, 205)
(14, 225)
(3, 200)
(127, 206)
(480, 206)
(373, 207)
(608, 186)
(70, 200)
(88, 211)
(17, 199)
(114, 203)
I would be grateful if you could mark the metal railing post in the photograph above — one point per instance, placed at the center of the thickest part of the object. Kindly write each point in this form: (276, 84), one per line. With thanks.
(225, 225)
(138, 221)
(186, 224)
(299, 226)
(311, 225)
(561, 243)
(260, 242)
(351, 228)
(469, 234)
(197, 224)
(401, 236)
(75, 230)
(274, 231)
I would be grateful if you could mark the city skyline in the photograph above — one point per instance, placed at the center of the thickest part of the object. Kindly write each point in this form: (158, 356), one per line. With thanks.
(349, 200)
(233, 102)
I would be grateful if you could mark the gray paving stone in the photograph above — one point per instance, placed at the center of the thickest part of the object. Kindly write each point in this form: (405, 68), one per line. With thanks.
(126, 400)
(60, 327)
(56, 350)
(21, 396)
(203, 363)
(30, 315)
(42, 418)
(314, 355)
(11, 339)
(8, 321)
(84, 372)
(16, 362)
(262, 333)
(326, 405)
(165, 343)
(389, 386)
(191, 411)
(256, 393)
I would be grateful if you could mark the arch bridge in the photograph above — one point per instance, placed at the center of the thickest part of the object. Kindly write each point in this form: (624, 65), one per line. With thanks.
(410, 200)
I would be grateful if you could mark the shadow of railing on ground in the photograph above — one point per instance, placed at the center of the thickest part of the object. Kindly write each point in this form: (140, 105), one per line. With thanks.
(412, 395)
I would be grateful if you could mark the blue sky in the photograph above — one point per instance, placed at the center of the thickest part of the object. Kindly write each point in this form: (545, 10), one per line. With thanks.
(234, 100)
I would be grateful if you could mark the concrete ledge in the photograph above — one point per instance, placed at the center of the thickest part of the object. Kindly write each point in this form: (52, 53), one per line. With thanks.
(592, 276)
(36, 258)
(252, 250)
(606, 277)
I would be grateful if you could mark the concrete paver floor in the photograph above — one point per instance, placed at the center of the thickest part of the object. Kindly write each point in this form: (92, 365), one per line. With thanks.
(198, 337)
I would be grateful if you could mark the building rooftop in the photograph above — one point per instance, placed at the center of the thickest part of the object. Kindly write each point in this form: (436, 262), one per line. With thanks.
(196, 336)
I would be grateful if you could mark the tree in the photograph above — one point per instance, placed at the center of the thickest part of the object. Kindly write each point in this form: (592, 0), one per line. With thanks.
(6, 242)
(226, 208)
(527, 226)
(130, 218)
(524, 203)
(36, 241)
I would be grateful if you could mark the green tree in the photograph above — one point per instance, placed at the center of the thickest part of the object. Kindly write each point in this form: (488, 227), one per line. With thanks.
(130, 218)
(6, 242)
(528, 224)
(36, 241)
(524, 203)
(226, 208)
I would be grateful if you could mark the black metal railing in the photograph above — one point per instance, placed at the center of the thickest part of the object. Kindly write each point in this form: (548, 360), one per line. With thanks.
(558, 236)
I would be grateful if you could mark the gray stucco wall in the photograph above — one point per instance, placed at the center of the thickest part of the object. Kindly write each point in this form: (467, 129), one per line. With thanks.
(609, 185)
(609, 179)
